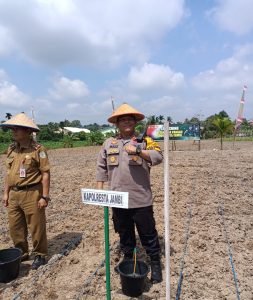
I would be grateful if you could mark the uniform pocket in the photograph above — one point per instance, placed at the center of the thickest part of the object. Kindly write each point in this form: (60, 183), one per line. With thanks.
(9, 162)
(135, 160)
(29, 164)
(112, 160)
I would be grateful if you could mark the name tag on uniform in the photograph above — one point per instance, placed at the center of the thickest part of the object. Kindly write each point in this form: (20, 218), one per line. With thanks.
(22, 172)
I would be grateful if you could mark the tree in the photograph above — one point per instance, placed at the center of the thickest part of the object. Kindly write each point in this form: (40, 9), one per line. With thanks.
(208, 129)
(76, 123)
(8, 116)
(160, 119)
(223, 125)
(65, 123)
(151, 120)
(95, 138)
(223, 114)
(169, 119)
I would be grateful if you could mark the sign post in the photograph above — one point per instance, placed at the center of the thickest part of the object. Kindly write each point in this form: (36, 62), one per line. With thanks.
(107, 253)
(106, 199)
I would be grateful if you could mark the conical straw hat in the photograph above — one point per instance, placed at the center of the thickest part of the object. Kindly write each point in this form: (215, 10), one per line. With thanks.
(21, 120)
(125, 109)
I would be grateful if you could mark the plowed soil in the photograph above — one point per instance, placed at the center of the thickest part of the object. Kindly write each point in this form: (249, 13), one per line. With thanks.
(211, 225)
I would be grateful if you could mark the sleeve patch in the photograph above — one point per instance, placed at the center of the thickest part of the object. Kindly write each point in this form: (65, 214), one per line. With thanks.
(152, 145)
(42, 154)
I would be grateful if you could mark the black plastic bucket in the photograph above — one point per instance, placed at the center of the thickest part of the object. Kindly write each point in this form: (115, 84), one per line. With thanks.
(133, 284)
(9, 264)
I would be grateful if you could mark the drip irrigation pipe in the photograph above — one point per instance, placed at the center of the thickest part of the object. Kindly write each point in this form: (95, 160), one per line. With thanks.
(187, 235)
(221, 213)
(71, 245)
(91, 276)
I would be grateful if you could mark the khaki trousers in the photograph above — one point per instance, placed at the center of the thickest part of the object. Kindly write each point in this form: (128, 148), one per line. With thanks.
(24, 214)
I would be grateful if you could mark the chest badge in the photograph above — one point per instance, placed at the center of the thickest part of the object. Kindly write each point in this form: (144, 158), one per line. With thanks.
(112, 159)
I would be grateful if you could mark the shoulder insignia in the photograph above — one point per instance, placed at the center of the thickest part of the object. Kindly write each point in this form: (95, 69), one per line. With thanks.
(152, 145)
(42, 154)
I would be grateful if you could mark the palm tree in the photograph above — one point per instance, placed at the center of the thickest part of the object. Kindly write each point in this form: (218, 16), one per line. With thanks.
(151, 120)
(8, 116)
(223, 125)
(160, 119)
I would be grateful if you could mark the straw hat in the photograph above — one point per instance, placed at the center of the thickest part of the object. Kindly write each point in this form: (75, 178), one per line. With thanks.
(125, 109)
(21, 120)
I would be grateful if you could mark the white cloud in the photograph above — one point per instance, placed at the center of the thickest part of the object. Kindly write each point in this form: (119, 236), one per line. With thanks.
(67, 89)
(152, 76)
(3, 75)
(90, 32)
(6, 43)
(234, 16)
(231, 73)
(10, 95)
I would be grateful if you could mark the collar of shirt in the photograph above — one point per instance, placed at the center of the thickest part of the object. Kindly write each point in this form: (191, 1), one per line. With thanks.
(24, 145)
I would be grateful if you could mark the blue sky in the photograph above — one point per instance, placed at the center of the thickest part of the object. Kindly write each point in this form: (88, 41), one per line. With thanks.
(66, 59)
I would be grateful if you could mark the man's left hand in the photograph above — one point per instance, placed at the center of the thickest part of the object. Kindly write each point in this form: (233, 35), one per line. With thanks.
(42, 203)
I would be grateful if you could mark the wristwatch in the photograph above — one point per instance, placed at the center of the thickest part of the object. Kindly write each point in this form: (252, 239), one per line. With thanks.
(138, 149)
(47, 198)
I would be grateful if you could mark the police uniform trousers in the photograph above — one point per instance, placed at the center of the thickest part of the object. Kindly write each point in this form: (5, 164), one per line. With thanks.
(125, 221)
(23, 213)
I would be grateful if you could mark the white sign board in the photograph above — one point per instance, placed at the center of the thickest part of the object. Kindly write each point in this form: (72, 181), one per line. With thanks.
(105, 198)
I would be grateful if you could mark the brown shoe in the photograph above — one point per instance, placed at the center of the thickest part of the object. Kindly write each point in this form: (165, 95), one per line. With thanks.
(38, 261)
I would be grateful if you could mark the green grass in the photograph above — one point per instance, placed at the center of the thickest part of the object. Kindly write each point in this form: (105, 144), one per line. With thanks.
(48, 145)
(3, 147)
(239, 139)
(60, 144)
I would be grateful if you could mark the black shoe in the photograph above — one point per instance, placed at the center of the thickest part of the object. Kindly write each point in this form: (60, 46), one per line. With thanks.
(38, 261)
(24, 257)
(156, 271)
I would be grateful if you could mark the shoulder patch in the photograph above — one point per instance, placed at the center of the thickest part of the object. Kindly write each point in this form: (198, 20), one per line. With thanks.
(42, 154)
(152, 145)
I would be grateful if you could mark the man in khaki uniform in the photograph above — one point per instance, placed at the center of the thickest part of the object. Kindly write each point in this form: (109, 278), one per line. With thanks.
(125, 163)
(26, 191)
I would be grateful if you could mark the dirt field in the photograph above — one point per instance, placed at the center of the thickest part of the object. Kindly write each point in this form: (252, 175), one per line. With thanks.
(211, 213)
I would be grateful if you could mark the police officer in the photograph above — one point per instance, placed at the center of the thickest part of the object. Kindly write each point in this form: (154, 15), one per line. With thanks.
(26, 191)
(125, 163)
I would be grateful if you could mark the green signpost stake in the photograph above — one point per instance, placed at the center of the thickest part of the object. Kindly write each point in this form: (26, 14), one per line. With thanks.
(107, 253)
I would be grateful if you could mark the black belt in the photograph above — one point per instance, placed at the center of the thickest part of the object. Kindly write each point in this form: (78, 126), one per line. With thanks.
(23, 187)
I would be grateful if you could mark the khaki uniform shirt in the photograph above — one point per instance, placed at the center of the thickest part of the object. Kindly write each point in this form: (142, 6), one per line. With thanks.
(128, 173)
(31, 157)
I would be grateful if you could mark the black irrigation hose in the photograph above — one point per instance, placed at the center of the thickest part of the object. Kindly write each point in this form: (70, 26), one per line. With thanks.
(221, 213)
(91, 276)
(72, 244)
(187, 235)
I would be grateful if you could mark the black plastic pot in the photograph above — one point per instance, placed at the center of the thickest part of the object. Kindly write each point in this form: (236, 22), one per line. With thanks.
(133, 284)
(9, 264)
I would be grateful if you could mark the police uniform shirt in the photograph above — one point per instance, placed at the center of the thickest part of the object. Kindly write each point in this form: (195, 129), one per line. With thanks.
(128, 173)
(32, 158)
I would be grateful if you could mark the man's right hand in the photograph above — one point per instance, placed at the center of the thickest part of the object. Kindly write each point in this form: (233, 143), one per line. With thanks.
(5, 200)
